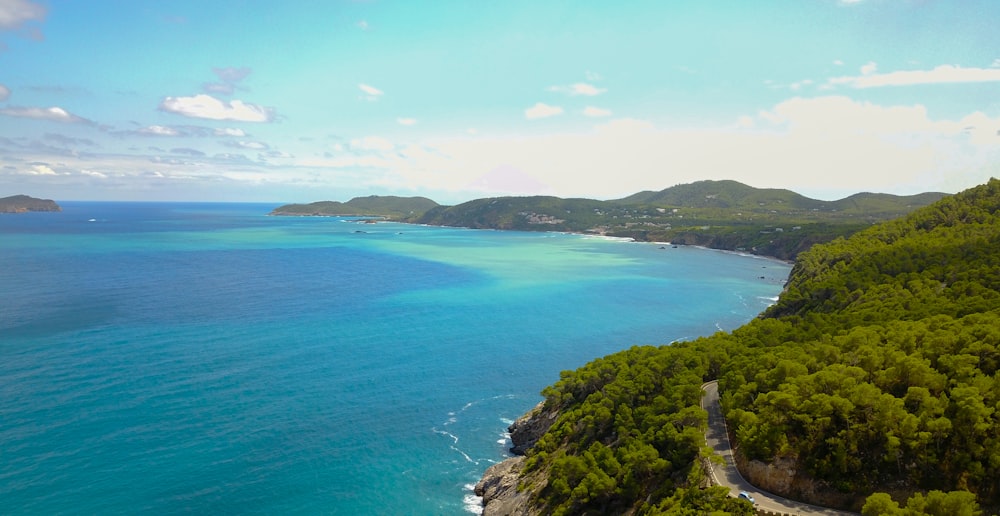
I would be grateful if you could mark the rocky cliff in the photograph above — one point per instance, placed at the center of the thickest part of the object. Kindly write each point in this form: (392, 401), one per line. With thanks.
(499, 485)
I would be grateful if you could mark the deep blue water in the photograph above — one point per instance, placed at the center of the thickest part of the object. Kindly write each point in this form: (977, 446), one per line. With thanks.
(205, 358)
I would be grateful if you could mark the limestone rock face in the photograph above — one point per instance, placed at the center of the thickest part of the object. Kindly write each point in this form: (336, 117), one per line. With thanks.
(782, 477)
(529, 428)
(499, 485)
(498, 488)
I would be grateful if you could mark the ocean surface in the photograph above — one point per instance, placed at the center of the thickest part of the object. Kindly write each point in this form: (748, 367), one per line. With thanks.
(169, 358)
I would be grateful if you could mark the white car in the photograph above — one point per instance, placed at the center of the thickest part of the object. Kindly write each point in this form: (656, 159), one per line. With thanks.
(746, 496)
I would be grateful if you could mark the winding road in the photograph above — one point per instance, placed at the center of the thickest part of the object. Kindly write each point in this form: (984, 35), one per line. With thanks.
(718, 438)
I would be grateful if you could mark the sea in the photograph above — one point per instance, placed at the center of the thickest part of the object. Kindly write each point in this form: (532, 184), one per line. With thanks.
(206, 358)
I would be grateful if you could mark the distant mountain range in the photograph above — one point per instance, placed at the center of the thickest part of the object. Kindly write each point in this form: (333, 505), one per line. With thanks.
(717, 214)
(24, 203)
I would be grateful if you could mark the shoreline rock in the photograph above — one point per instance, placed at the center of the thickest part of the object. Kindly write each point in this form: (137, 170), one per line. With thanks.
(529, 428)
(499, 484)
(498, 487)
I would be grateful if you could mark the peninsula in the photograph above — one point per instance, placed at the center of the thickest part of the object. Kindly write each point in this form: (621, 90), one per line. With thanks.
(872, 385)
(24, 203)
(724, 215)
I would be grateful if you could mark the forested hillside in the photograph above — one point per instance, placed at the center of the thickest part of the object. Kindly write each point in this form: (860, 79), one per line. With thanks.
(878, 371)
(716, 214)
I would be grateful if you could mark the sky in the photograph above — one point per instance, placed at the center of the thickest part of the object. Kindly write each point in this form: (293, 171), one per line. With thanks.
(300, 101)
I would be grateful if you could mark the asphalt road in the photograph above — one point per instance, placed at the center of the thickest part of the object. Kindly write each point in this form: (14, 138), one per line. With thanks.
(718, 438)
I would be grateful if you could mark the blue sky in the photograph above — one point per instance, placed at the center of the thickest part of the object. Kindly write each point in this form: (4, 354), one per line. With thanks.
(309, 100)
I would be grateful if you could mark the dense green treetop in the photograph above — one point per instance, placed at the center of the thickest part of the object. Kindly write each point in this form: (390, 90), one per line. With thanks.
(877, 370)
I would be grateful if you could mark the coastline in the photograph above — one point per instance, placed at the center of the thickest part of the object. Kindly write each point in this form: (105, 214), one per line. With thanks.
(378, 219)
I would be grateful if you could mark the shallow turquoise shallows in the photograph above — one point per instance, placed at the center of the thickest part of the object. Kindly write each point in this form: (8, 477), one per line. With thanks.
(206, 358)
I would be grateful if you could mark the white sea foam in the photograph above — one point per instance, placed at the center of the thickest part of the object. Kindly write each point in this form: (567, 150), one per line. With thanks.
(507, 421)
(449, 434)
(610, 238)
(472, 504)
(466, 455)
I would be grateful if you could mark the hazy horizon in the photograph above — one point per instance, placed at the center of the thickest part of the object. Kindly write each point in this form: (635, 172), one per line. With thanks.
(194, 101)
(279, 201)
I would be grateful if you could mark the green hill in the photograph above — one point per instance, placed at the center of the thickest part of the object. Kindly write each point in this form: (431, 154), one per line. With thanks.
(391, 207)
(24, 203)
(717, 214)
(876, 372)
(723, 194)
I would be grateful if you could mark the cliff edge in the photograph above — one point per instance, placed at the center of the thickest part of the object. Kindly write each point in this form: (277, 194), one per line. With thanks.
(499, 485)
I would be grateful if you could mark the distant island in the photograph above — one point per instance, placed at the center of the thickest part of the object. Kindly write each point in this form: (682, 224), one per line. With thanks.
(717, 214)
(387, 207)
(24, 203)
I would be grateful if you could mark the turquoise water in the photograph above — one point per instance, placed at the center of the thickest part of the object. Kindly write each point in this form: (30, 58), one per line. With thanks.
(206, 358)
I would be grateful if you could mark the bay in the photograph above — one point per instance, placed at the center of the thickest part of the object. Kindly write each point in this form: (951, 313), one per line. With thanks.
(185, 357)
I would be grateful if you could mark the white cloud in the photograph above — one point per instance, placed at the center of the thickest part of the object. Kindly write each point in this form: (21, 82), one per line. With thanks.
(211, 108)
(593, 76)
(944, 74)
(248, 145)
(41, 170)
(14, 13)
(406, 121)
(869, 68)
(93, 173)
(596, 111)
(541, 110)
(827, 147)
(371, 93)
(228, 131)
(363, 25)
(996, 63)
(159, 130)
(54, 114)
(372, 143)
(838, 62)
(4, 93)
(580, 88)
